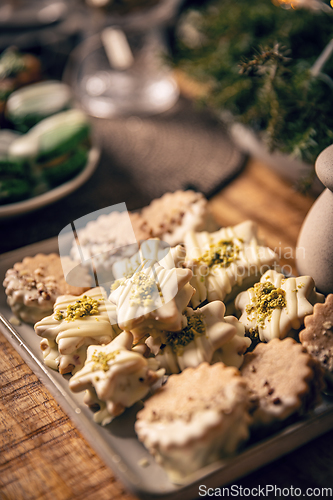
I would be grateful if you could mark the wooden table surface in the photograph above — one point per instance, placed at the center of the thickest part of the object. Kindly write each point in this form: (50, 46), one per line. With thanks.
(42, 454)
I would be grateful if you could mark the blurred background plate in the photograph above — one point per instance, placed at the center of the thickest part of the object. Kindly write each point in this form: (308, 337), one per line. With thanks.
(25, 206)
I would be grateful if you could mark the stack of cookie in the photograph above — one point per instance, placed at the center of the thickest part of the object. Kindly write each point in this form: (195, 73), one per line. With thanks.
(212, 313)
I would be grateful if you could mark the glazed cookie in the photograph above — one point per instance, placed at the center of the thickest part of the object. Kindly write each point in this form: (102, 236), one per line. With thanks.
(276, 306)
(109, 238)
(151, 249)
(172, 215)
(33, 285)
(152, 299)
(226, 260)
(284, 380)
(116, 377)
(76, 323)
(207, 336)
(317, 336)
(197, 417)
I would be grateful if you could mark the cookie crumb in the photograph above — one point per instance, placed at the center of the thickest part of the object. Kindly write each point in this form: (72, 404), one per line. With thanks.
(143, 462)
(15, 321)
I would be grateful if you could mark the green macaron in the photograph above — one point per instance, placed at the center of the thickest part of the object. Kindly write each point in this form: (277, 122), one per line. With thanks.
(15, 177)
(57, 146)
(31, 104)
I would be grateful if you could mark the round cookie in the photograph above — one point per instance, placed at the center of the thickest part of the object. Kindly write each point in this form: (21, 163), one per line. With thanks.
(197, 417)
(284, 380)
(110, 238)
(172, 215)
(33, 285)
(317, 335)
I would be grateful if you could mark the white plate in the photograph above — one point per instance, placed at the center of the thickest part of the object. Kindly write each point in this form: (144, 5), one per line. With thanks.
(117, 443)
(25, 206)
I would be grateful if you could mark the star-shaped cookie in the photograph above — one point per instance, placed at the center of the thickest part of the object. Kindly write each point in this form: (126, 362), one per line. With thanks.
(152, 299)
(277, 305)
(151, 249)
(207, 336)
(225, 260)
(117, 375)
(77, 322)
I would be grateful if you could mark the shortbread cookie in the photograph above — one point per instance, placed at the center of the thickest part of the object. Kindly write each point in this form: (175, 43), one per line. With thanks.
(226, 260)
(109, 238)
(207, 336)
(317, 336)
(197, 417)
(76, 323)
(172, 215)
(152, 299)
(33, 285)
(284, 380)
(117, 375)
(276, 306)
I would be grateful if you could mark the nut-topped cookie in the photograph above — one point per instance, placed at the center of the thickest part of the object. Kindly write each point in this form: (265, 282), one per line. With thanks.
(33, 285)
(151, 249)
(197, 417)
(284, 380)
(152, 299)
(207, 336)
(172, 215)
(276, 306)
(317, 335)
(226, 261)
(76, 323)
(109, 238)
(116, 375)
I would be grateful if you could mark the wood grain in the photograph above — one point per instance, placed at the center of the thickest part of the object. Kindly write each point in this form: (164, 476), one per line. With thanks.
(43, 456)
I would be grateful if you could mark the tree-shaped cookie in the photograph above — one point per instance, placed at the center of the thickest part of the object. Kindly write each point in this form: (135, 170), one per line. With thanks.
(76, 323)
(277, 305)
(225, 260)
(152, 299)
(207, 336)
(117, 375)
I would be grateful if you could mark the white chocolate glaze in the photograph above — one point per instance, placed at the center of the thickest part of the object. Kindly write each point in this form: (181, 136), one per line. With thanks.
(300, 297)
(219, 282)
(223, 340)
(120, 381)
(68, 337)
(161, 310)
(151, 249)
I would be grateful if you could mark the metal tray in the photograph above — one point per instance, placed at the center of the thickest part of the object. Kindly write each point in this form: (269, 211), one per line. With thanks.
(117, 444)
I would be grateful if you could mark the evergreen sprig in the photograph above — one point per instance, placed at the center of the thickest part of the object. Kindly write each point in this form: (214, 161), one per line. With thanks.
(257, 58)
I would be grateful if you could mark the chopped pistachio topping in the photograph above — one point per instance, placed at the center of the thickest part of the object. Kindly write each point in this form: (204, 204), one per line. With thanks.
(143, 290)
(101, 360)
(58, 316)
(222, 253)
(82, 307)
(267, 298)
(195, 328)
